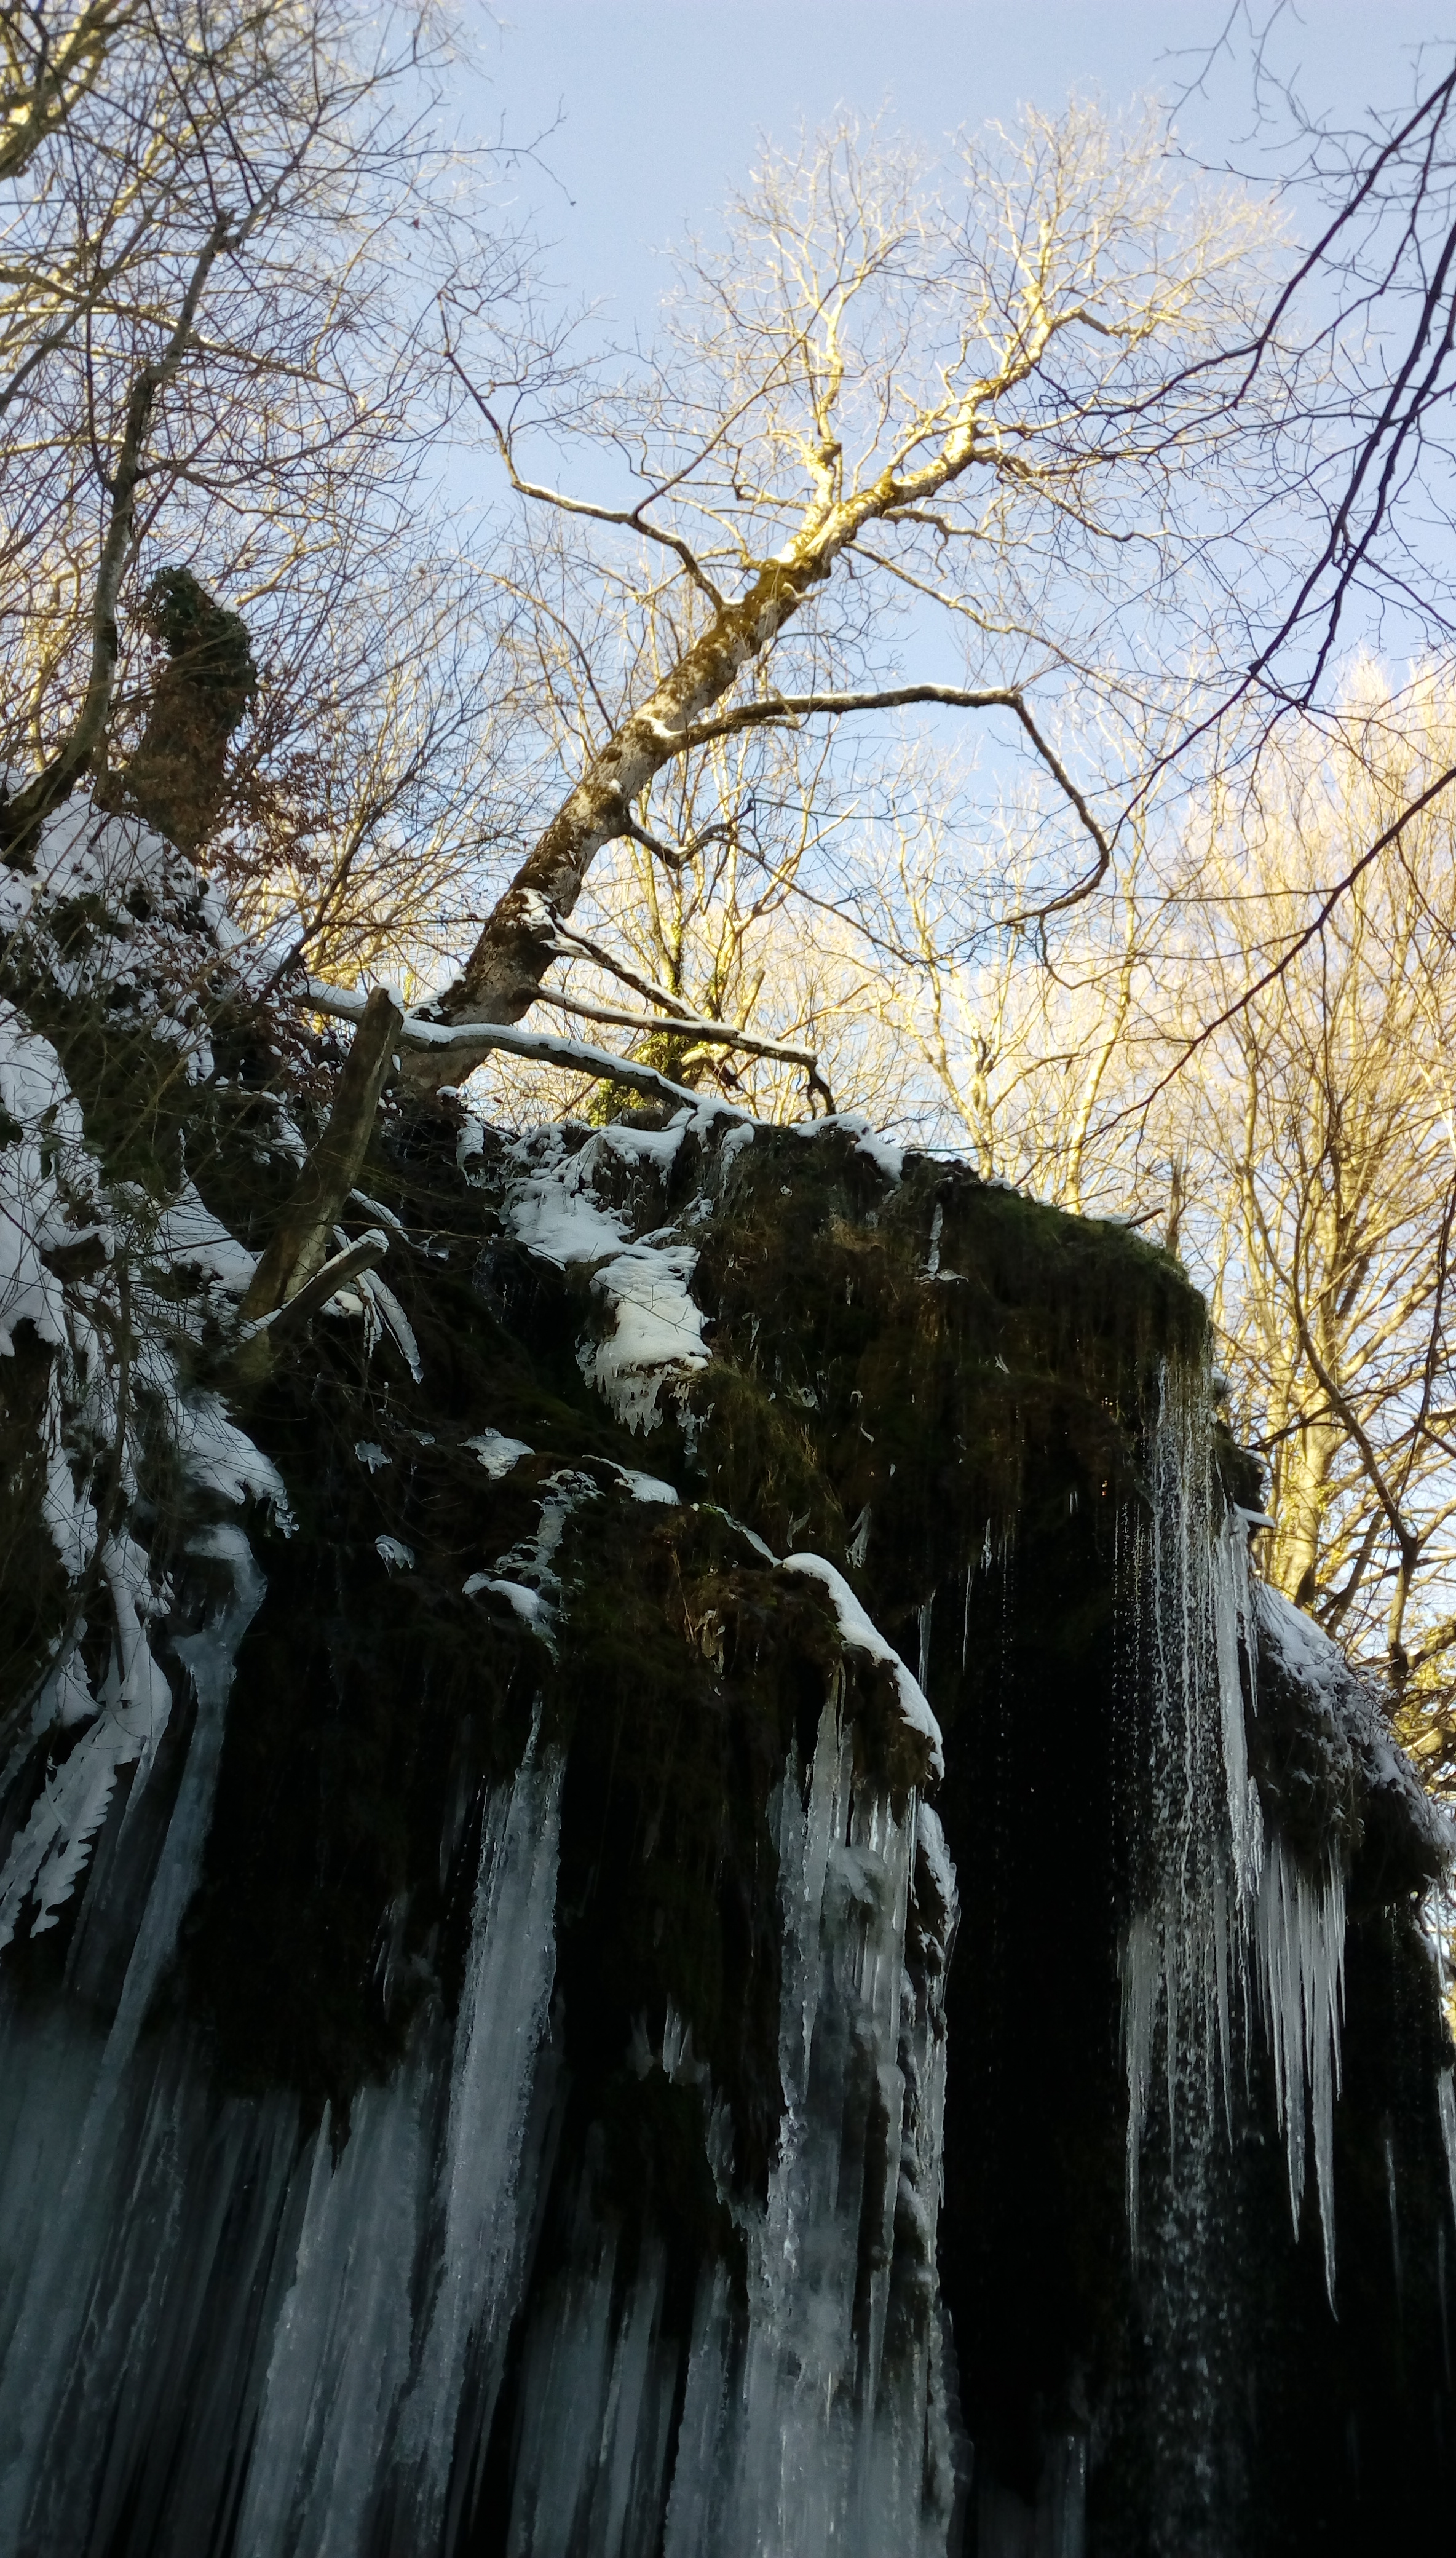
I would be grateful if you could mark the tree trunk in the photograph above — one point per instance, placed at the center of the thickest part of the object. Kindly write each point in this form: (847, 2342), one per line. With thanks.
(503, 976)
(300, 1246)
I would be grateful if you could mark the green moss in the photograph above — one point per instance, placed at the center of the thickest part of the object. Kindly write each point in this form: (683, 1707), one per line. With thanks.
(844, 1378)
(849, 1379)
(201, 635)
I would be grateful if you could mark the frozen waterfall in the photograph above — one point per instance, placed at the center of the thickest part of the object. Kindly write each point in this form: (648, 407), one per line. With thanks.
(220, 2326)
(1230, 1925)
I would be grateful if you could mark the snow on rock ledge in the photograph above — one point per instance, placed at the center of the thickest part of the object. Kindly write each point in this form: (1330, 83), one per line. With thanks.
(861, 1635)
(576, 1207)
(1328, 1756)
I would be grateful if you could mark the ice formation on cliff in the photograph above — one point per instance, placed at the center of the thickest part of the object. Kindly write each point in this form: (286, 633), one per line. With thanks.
(1231, 1919)
(226, 2322)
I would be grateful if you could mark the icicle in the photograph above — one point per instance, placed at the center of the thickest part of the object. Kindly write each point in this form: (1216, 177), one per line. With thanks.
(1390, 2205)
(487, 2178)
(802, 2436)
(597, 2392)
(1180, 1952)
(95, 2164)
(1235, 1647)
(1139, 1964)
(292, 2337)
(1226, 1900)
(1446, 2102)
(341, 2345)
(965, 1612)
(1299, 1932)
(361, 2371)
(209, 1655)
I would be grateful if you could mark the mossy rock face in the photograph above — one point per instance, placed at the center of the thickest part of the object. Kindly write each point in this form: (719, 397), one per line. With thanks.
(899, 1349)
(376, 1696)
(997, 1395)
(945, 1390)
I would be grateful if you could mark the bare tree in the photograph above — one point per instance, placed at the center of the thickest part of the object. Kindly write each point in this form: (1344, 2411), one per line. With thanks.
(1363, 335)
(49, 61)
(1319, 1146)
(217, 347)
(967, 392)
(1303, 1156)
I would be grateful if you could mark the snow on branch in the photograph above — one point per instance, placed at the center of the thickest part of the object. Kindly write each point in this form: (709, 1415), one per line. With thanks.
(568, 944)
(542, 1046)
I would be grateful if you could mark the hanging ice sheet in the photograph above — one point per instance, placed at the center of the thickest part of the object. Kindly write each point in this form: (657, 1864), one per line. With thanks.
(207, 2314)
(1231, 1923)
(813, 2412)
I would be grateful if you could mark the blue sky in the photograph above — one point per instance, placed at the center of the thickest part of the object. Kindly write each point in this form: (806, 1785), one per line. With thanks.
(652, 111)
(657, 104)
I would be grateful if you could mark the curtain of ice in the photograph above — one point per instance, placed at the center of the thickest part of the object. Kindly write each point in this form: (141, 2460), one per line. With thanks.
(89, 2152)
(811, 2411)
(313, 2338)
(1229, 1921)
(216, 2325)
(825, 2430)
(367, 2371)
(293, 2335)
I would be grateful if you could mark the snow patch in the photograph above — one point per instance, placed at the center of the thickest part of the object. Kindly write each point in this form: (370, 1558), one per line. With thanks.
(881, 1152)
(1314, 1661)
(47, 1184)
(656, 1331)
(649, 1488)
(862, 1634)
(189, 1236)
(529, 1605)
(656, 1335)
(497, 1453)
(217, 1457)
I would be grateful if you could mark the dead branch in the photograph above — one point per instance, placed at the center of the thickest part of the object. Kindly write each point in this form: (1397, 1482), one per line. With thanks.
(300, 1244)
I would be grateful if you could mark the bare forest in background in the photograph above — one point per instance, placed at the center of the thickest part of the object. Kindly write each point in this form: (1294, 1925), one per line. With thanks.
(988, 664)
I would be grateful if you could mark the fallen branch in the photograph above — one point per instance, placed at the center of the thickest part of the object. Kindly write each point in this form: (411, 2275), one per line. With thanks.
(301, 1242)
(252, 1356)
(684, 1025)
(363, 1255)
(571, 945)
(440, 1037)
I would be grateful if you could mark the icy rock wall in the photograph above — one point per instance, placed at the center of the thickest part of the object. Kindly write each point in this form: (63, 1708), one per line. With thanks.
(812, 2415)
(213, 2324)
(1229, 1919)
(471, 2307)
(206, 2315)
(411, 2255)
(1234, 1943)
(221, 2324)
(98, 2149)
